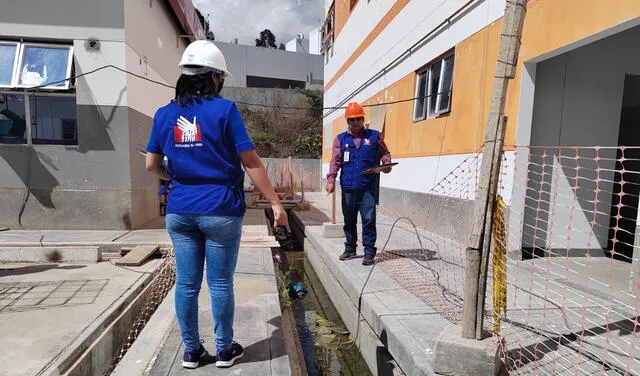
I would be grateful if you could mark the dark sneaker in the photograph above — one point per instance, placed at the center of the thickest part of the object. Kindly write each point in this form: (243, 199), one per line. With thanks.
(368, 260)
(348, 255)
(192, 359)
(226, 359)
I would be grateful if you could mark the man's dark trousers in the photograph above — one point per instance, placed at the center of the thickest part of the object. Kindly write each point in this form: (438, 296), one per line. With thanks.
(363, 201)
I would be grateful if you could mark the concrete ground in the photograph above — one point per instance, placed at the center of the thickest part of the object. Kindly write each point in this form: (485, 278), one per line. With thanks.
(47, 309)
(49, 312)
(258, 326)
(564, 315)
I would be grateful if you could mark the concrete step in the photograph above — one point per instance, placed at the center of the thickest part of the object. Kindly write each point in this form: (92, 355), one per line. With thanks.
(79, 254)
(106, 256)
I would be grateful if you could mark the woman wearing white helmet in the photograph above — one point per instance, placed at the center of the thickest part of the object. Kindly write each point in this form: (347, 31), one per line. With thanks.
(205, 141)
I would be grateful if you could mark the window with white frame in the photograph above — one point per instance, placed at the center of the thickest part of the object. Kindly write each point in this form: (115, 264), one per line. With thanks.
(29, 65)
(47, 113)
(8, 62)
(434, 85)
(328, 33)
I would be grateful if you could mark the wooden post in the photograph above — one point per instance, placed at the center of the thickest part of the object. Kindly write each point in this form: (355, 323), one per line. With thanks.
(478, 249)
(302, 184)
(333, 207)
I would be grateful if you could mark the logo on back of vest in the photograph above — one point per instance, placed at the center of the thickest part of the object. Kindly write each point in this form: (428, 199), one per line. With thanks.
(186, 134)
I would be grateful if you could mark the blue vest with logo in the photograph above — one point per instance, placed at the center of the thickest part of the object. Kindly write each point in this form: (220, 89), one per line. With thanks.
(360, 159)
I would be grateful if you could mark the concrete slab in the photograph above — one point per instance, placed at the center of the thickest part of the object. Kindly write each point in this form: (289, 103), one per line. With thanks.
(17, 238)
(332, 230)
(81, 254)
(55, 307)
(142, 237)
(379, 307)
(150, 340)
(459, 356)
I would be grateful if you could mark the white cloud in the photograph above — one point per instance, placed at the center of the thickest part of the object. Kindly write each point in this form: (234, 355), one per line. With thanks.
(245, 19)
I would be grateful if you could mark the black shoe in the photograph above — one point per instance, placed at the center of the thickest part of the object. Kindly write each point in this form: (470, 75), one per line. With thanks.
(226, 358)
(192, 359)
(368, 260)
(348, 255)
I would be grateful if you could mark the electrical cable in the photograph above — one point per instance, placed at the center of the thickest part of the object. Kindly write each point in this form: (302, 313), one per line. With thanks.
(48, 84)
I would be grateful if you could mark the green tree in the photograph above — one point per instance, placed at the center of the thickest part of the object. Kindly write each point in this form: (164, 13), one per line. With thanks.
(206, 25)
(267, 39)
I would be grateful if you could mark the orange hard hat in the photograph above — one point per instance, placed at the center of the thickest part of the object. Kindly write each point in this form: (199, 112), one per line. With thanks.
(354, 110)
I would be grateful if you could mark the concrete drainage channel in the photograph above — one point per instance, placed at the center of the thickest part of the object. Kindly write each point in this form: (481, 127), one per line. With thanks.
(326, 345)
(102, 345)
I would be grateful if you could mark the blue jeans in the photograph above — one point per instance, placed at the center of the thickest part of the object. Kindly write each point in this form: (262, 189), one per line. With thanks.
(216, 239)
(363, 201)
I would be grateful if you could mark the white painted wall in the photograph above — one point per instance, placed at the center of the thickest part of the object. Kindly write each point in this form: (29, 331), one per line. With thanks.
(246, 61)
(315, 41)
(577, 102)
(107, 87)
(363, 19)
(411, 24)
(154, 55)
(298, 45)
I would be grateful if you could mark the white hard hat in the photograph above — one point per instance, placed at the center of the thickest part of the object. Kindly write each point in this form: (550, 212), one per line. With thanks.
(206, 56)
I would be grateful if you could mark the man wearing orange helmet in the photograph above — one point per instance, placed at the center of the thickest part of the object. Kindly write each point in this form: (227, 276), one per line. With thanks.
(354, 151)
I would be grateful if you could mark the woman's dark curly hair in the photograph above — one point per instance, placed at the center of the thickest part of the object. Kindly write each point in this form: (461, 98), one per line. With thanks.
(195, 88)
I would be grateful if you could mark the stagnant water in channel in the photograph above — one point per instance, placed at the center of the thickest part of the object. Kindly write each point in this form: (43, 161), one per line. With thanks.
(327, 345)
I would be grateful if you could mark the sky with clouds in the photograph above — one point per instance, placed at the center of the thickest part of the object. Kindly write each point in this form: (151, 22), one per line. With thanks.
(245, 19)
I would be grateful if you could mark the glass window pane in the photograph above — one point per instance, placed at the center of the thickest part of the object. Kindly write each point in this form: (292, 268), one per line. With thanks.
(444, 104)
(53, 120)
(7, 62)
(13, 127)
(434, 84)
(420, 104)
(42, 65)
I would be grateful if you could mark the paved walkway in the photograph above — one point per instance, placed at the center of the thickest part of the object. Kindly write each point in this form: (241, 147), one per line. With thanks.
(258, 325)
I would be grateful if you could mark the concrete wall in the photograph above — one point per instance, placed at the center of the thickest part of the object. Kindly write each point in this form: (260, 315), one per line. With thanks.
(83, 186)
(100, 183)
(578, 101)
(446, 217)
(154, 55)
(71, 187)
(264, 96)
(63, 19)
(246, 61)
(307, 169)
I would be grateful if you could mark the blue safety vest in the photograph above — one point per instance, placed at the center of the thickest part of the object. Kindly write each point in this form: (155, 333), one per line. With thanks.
(356, 160)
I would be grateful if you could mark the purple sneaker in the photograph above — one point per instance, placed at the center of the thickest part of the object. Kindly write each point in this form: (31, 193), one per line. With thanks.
(192, 359)
(226, 358)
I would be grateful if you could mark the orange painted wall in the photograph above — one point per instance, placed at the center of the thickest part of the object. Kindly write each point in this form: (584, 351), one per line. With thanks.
(343, 10)
(549, 25)
(460, 131)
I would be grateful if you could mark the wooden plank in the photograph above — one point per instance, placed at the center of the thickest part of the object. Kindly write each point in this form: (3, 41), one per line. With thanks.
(259, 244)
(257, 238)
(138, 255)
